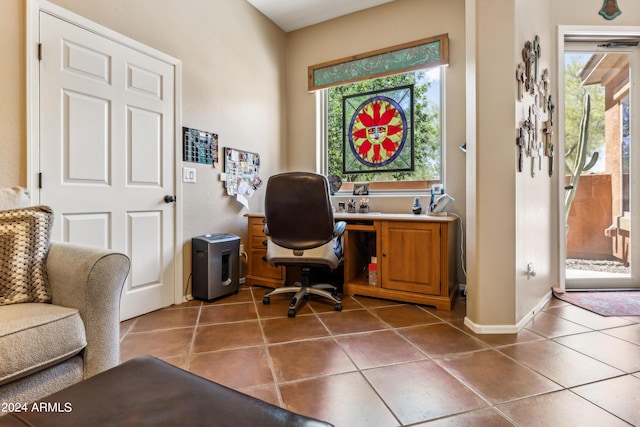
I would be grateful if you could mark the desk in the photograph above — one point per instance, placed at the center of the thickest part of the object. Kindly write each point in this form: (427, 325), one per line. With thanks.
(415, 253)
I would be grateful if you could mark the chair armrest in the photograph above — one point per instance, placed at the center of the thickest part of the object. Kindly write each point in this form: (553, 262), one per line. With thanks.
(91, 280)
(339, 228)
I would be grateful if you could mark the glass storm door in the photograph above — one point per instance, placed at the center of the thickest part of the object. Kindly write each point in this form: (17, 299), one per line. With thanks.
(600, 203)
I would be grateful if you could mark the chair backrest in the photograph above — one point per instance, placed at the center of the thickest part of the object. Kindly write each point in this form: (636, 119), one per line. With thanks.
(298, 210)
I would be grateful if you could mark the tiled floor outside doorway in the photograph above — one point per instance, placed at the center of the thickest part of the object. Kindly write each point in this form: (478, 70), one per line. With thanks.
(382, 363)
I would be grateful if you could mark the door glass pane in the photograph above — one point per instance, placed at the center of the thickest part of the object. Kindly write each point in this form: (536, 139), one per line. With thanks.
(597, 153)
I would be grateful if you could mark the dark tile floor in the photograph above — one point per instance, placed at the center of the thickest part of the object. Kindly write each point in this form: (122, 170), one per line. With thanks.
(384, 363)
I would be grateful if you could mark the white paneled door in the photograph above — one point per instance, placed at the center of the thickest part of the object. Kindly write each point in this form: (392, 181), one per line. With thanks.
(107, 154)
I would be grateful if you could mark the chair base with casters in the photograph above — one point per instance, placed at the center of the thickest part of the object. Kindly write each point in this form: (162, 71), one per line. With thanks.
(302, 291)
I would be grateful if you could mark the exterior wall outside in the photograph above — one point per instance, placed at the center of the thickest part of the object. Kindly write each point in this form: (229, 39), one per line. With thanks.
(589, 216)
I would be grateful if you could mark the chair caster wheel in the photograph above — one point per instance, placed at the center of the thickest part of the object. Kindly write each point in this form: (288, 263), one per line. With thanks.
(338, 307)
(266, 300)
(291, 313)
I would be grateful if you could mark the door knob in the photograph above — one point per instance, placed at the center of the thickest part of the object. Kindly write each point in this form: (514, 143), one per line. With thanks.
(169, 199)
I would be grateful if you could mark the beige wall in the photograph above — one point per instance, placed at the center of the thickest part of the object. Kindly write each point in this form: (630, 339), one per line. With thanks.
(13, 166)
(536, 198)
(581, 12)
(363, 32)
(513, 218)
(238, 82)
(491, 219)
(233, 84)
(353, 34)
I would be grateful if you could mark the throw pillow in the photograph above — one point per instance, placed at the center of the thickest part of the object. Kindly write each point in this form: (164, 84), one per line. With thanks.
(24, 244)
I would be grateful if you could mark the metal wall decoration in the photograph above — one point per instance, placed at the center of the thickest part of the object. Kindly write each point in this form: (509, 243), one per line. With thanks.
(199, 146)
(378, 131)
(610, 9)
(533, 137)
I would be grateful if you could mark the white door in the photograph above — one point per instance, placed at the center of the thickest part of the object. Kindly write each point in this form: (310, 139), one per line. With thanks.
(107, 154)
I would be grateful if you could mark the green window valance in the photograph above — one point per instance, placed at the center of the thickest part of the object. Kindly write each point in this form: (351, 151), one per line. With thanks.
(429, 52)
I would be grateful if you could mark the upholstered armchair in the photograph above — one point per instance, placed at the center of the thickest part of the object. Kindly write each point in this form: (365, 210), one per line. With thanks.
(72, 335)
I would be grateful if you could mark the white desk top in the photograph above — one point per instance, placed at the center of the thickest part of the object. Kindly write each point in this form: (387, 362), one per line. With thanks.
(340, 216)
(372, 216)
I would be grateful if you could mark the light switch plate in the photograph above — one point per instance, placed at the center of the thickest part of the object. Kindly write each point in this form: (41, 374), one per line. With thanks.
(188, 174)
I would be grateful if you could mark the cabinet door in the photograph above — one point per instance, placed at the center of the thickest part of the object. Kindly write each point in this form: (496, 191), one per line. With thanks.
(411, 257)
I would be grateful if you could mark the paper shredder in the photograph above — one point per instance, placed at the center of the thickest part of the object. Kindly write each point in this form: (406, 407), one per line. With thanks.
(215, 265)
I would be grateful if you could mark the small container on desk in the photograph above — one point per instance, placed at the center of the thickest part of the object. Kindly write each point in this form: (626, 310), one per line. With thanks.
(373, 272)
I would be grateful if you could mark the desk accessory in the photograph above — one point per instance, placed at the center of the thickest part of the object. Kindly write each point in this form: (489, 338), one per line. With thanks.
(416, 208)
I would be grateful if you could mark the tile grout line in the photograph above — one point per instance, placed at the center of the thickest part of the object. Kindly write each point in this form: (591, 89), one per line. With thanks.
(452, 322)
(193, 338)
(265, 346)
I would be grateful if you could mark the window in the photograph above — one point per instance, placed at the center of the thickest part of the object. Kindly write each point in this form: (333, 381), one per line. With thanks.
(386, 131)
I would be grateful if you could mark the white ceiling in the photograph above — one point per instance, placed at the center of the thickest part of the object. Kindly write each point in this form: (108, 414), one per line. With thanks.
(295, 14)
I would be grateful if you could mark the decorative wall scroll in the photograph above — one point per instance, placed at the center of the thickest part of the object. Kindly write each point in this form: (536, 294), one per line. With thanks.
(610, 9)
(533, 138)
(378, 131)
(199, 146)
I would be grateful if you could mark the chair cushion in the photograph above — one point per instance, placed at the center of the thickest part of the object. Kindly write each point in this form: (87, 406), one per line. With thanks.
(24, 243)
(34, 336)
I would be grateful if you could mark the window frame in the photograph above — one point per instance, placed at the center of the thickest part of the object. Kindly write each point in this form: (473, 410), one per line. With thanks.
(381, 188)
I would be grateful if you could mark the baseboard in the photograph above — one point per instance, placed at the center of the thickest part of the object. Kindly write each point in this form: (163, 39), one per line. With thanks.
(490, 329)
(508, 329)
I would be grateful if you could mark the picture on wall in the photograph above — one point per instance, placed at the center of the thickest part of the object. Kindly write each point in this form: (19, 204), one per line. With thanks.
(378, 131)
(200, 146)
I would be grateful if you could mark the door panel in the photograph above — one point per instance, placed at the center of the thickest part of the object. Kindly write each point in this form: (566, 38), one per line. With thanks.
(107, 154)
(145, 231)
(85, 139)
(145, 147)
(92, 229)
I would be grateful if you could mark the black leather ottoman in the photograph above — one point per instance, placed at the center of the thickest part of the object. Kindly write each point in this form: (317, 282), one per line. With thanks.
(149, 392)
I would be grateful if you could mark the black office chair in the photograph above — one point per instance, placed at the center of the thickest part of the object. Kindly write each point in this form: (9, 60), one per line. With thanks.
(301, 232)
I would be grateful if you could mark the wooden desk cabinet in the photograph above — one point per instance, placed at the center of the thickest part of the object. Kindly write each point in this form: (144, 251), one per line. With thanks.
(416, 260)
(415, 255)
(259, 271)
